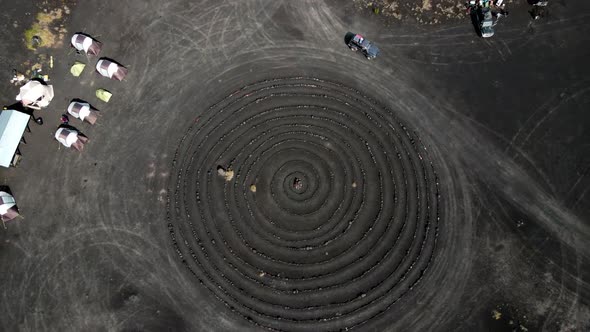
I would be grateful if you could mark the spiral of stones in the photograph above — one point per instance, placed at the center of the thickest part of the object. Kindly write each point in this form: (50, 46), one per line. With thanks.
(330, 215)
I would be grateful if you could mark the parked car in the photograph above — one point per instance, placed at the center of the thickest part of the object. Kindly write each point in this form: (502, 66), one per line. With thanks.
(482, 18)
(359, 42)
(486, 23)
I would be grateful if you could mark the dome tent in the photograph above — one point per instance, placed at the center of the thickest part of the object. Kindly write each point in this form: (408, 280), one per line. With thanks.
(35, 94)
(70, 137)
(111, 69)
(83, 111)
(86, 44)
(8, 208)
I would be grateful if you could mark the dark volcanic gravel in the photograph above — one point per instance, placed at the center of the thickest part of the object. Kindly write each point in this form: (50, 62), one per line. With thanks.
(440, 187)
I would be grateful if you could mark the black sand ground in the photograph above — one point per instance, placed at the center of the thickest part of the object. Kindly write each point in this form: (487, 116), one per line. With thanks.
(469, 158)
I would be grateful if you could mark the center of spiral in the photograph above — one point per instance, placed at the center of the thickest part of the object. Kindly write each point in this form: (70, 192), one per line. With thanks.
(298, 184)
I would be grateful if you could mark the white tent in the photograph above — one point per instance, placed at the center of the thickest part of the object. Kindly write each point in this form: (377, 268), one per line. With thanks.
(35, 94)
(82, 111)
(70, 138)
(86, 44)
(111, 69)
(8, 209)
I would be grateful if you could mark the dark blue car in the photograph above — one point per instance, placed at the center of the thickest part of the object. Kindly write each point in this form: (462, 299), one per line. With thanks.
(359, 42)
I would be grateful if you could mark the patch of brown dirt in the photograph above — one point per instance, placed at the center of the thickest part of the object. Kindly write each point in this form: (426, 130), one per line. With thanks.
(421, 11)
(48, 29)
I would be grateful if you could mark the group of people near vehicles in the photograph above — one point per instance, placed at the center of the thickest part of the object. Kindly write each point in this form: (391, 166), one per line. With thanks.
(539, 8)
(484, 11)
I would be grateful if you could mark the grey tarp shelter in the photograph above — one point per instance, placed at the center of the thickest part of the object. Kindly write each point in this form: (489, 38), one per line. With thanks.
(12, 127)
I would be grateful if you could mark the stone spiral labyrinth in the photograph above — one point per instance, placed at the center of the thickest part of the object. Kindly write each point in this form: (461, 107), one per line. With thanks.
(330, 218)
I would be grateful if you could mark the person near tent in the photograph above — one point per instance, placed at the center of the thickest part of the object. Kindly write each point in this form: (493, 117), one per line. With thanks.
(501, 12)
(71, 138)
(18, 78)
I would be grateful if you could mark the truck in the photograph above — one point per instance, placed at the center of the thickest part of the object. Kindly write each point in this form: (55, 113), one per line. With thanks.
(359, 42)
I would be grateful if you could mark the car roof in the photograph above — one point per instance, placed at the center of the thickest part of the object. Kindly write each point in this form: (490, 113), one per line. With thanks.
(369, 47)
(373, 50)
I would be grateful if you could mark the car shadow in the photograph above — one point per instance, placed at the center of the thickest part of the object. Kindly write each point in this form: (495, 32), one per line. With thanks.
(348, 37)
(475, 19)
(6, 189)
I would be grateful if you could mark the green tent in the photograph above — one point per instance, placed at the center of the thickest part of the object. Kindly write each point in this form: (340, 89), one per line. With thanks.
(77, 68)
(103, 95)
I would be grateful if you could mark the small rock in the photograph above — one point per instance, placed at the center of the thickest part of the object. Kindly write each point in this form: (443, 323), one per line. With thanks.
(496, 314)
(220, 171)
(227, 174)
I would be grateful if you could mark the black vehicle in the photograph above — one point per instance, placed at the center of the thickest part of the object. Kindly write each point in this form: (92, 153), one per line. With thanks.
(359, 42)
(482, 18)
(486, 23)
